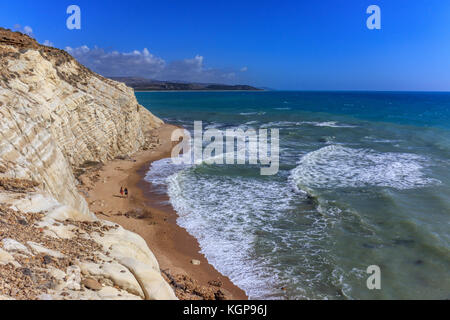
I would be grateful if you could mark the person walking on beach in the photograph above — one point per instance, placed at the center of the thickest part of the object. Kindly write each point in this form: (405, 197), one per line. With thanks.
(126, 192)
(121, 191)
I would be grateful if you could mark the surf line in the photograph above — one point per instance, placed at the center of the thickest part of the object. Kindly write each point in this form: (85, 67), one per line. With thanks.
(231, 147)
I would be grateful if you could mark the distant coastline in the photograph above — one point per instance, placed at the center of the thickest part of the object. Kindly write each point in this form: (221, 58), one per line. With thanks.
(148, 85)
(138, 90)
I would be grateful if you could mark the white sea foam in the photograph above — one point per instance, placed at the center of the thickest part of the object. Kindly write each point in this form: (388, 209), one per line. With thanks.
(337, 166)
(378, 140)
(215, 125)
(247, 227)
(160, 170)
(225, 214)
(260, 113)
(279, 124)
(330, 124)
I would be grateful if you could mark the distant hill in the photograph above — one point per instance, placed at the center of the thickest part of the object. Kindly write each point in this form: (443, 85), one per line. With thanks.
(142, 84)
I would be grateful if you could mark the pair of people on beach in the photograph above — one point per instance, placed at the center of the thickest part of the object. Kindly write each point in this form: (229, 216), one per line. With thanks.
(124, 191)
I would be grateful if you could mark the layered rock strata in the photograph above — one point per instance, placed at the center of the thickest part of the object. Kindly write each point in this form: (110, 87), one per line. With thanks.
(57, 117)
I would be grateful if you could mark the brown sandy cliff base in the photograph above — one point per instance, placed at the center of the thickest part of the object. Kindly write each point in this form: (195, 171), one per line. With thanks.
(145, 213)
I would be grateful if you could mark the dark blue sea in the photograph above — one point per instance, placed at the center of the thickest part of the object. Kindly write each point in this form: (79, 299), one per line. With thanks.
(364, 180)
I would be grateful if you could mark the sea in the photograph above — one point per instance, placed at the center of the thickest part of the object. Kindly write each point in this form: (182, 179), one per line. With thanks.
(364, 180)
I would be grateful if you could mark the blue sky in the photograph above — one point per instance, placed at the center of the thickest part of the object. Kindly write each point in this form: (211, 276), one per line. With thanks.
(294, 45)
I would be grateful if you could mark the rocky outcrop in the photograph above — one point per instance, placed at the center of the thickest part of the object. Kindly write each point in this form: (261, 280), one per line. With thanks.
(56, 116)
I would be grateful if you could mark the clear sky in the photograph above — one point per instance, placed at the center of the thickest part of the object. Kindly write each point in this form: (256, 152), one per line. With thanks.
(304, 45)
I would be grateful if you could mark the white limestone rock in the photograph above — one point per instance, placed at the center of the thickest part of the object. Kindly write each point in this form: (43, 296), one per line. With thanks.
(73, 278)
(6, 257)
(38, 248)
(150, 280)
(56, 116)
(117, 273)
(12, 245)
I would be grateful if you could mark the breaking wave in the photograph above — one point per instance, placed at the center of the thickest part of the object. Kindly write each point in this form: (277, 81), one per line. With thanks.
(336, 166)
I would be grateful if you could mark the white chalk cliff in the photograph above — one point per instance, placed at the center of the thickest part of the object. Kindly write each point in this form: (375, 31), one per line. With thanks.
(57, 115)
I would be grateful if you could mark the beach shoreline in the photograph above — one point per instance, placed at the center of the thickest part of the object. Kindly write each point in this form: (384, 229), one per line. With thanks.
(150, 215)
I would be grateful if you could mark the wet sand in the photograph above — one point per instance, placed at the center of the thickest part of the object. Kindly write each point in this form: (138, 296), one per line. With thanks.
(143, 213)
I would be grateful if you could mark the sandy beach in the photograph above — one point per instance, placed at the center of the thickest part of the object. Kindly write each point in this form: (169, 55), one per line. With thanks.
(143, 213)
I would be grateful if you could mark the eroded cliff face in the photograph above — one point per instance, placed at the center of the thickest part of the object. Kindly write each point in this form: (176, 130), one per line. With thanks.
(57, 115)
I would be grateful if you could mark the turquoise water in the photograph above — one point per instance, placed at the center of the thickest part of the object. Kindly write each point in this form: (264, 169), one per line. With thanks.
(364, 180)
